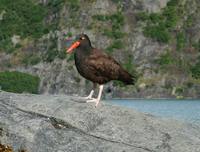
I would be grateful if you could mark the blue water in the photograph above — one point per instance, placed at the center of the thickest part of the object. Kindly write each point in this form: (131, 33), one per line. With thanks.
(184, 110)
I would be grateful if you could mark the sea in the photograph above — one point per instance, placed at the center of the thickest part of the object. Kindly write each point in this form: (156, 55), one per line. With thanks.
(183, 110)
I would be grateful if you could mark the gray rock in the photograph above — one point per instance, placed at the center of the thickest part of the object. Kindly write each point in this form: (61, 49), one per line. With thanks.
(154, 5)
(42, 123)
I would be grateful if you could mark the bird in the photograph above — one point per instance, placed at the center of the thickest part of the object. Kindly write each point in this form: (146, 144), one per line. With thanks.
(95, 65)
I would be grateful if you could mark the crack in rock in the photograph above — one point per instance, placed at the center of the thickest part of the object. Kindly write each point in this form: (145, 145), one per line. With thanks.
(165, 142)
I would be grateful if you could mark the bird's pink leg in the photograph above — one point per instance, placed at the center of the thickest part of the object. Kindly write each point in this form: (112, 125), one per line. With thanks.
(90, 95)
(99, 96)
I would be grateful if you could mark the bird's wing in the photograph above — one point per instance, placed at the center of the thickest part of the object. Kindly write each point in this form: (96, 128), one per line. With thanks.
(104, 65)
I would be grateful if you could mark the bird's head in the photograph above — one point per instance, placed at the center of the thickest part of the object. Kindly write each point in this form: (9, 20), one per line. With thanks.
(82, 40)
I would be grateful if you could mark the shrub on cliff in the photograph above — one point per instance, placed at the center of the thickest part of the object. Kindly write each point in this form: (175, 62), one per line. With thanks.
(19, 82)
(196, 70)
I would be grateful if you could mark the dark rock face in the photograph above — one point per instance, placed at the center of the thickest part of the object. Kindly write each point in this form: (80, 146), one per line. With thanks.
(39, 123)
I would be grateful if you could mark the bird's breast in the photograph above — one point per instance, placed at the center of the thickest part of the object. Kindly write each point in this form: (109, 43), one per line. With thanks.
(81, 64)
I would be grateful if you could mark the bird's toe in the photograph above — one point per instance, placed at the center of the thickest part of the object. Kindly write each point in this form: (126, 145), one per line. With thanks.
(88, 98)
(96, 101)
(91, 100)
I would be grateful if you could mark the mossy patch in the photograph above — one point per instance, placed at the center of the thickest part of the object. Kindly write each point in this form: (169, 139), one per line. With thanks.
(23, 18)
(159, 26)
(19, 82)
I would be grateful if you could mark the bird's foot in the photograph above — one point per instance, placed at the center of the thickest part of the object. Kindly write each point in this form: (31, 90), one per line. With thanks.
(88, 98)
(93, 100)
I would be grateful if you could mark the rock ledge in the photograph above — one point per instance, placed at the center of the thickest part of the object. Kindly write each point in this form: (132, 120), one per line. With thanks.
(44, 123)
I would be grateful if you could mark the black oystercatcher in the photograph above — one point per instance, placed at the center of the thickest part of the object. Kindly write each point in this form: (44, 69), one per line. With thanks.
(96, 66)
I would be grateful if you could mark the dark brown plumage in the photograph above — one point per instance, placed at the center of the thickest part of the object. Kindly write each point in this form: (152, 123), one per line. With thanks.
(96, 66)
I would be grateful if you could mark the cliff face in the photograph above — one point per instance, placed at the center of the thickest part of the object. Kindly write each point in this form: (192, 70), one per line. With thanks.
(64, 123)
(119, 28)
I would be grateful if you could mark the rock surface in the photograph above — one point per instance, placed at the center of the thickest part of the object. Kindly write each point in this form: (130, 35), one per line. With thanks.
(44, 123)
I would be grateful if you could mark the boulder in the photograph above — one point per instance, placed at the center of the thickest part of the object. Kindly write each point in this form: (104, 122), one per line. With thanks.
(48, 123)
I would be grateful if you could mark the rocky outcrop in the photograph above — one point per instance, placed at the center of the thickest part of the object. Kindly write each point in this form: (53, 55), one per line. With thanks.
(41, 123)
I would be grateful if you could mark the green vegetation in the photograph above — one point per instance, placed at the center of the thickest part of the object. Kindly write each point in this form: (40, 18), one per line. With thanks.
(62, 54)
(158, 32)
(118, 44)
(171, 13)
(70, 58)
(115, 1)
(173, 61)
(130, 66)
(195, 70)
(73, 6)
(115, 34)
(51, 54)
(55, 5)
(172, 26)
(6, 45)
(179, 90)
(100, 17)
(19, 82)
(31, 59)
(181, 41)
(143, 16)
(159, 26)
(21, 17)
(189, 21)
(112, 29)
(118, 83)
(116, 20)
(197, 45)
(165, 59)
(69, 34)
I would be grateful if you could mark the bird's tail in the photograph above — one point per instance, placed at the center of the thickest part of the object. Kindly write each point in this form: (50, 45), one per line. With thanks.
(127, 78)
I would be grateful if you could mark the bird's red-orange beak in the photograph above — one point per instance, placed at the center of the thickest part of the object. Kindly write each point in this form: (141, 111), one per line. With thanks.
(73, 46)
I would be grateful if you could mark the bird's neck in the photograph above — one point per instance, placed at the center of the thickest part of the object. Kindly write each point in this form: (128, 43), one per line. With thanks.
(81, 54)
(84, 50)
